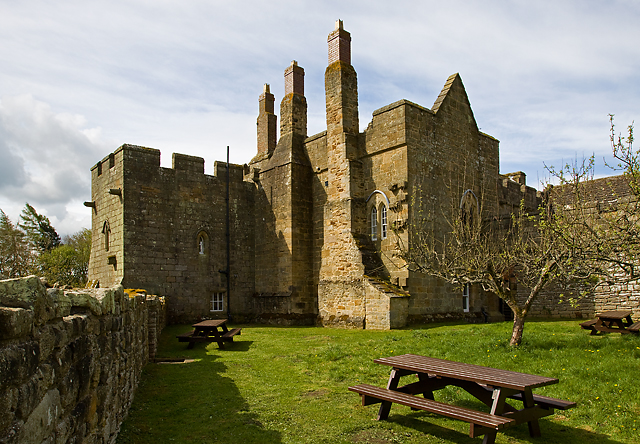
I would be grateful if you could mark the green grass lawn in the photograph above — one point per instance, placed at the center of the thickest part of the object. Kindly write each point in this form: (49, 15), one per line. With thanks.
(289, 385)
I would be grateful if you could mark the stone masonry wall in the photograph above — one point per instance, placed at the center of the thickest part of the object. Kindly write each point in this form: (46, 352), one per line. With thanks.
(447, 155)
(70, 361)
(625, 296)
(157, 219)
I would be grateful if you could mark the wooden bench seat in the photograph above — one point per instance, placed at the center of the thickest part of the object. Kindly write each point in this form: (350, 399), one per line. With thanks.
(549, 403)
(634, 327)
(372, 395)
(228, 336)
(185, 336)
(589, 325)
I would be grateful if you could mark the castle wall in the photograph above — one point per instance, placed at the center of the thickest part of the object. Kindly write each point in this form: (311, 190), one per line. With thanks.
(447, 156)
(70, 361)
(165, 212)
(385, 162)
(316, 149)
(284, 291)
(107, 222)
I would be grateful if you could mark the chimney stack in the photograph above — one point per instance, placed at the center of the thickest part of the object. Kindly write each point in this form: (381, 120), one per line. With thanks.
(267, 122)
(339, 45)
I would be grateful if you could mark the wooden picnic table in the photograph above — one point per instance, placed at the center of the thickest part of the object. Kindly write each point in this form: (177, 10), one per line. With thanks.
(213, 330)
(616, 321)
(491, 386)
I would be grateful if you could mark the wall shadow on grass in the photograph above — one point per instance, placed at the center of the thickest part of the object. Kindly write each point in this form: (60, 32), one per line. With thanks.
(192, 403)
(552, 433)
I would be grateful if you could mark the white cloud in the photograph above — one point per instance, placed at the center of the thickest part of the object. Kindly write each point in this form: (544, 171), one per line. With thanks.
(185, 76)
(45, 156)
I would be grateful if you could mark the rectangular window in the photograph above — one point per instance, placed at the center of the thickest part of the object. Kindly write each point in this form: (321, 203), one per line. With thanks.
(217, 302)
(465, 298)
(383, 221)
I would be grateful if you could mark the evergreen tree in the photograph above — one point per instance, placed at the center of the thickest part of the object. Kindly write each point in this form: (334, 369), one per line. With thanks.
(16, 257)
(40, 233)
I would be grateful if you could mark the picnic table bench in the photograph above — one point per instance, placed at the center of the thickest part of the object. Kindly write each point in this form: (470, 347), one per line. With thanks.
(616, 321)
(207, 331)
(491, 386)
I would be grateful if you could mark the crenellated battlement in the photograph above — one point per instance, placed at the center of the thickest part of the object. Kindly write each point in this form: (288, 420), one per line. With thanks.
(513, 189)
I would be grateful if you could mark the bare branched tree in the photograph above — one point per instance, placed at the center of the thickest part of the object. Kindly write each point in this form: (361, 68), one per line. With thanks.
(532, 248)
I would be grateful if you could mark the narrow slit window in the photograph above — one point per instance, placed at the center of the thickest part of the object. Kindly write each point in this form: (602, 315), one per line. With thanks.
(106, 231)
(202, 243)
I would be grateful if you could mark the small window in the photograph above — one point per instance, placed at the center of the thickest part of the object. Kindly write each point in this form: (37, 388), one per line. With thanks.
(201, 244)
(465, 298)
(112, 160)
(217, 302)
(106, 231)
(383, 221)
(374, 223)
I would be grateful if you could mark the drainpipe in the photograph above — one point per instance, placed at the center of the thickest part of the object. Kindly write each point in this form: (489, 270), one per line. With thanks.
(228, 242)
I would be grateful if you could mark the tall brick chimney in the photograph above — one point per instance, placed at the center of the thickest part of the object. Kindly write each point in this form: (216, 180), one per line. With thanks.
(267, 123)
(341, 84)
(293, 108)
(339, 45)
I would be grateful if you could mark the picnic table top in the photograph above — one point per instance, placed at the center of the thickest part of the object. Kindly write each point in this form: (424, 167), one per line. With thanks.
(210, 323)
(468, 372)
(614, 314)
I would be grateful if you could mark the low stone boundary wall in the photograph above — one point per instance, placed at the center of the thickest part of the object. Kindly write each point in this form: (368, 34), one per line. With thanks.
(70, 361)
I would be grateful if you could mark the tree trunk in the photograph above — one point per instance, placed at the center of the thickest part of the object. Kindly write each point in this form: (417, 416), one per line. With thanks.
(518, 329)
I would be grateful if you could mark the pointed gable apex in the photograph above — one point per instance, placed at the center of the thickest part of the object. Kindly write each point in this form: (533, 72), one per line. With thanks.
(453, 95)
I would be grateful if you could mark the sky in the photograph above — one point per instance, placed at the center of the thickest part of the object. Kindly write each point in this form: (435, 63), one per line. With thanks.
(80, 78)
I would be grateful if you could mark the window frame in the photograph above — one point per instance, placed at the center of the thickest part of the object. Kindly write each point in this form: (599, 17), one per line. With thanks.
(217, 300)
(383, 221)
(466, 292)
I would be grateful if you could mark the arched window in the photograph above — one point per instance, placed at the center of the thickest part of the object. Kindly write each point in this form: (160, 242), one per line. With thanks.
(469, 210)
(374, 223)
(106, 231)
(383, 221)
(202, 240)
(201, 244)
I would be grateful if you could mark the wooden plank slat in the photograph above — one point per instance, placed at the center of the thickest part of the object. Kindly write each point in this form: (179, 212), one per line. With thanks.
(468, 372)
(548, 402)
(634, 327)
(231, 333)
(494, 422)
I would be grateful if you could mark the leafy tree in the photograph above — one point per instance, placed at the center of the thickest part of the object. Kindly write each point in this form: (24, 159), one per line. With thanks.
(38, 228)
(16, 257)
(68, 264)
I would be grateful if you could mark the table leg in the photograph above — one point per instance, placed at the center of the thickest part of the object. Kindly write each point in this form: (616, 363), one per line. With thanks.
(427, 393)
(385, 406)
(534, 425)
(218, 336)
(497, 408)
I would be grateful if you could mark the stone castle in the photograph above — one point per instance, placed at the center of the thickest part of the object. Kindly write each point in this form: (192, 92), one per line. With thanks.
(305, 232)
